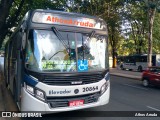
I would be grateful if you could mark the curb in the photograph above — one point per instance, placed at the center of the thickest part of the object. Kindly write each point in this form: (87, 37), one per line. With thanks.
(126, 76)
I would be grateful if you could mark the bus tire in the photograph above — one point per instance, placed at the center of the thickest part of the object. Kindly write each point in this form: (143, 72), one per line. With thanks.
(140, 68)
(145, 82)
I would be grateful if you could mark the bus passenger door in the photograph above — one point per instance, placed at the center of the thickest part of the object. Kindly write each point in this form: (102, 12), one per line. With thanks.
(6, 64)
(21, 38)
(9, 63)
(12, 66)
(19, 75)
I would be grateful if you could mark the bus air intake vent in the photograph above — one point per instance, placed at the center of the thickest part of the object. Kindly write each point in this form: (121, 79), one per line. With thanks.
(72, 79)
(55, 102)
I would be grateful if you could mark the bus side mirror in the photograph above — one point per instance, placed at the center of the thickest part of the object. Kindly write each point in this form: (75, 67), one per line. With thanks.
(22, 30)
(23, 33)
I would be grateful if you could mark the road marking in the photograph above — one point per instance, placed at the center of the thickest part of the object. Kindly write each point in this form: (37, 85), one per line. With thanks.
(135, 86)
(153, 108)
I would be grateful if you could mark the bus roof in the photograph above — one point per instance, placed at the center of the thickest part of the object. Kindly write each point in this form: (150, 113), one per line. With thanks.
(51, 17)
(64, 12)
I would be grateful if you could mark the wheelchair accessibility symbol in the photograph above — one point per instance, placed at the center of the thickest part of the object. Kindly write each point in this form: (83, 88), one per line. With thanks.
(82, 65)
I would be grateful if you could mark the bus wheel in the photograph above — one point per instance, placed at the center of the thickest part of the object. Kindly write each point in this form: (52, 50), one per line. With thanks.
(145, 83)
(140, 68)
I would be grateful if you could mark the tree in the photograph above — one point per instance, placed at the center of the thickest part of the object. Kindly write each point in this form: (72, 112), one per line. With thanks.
(138, 28)
(156, 35)
(12, 12)
(114, 22)
(135, 27)
(152, 5)
(6, 21)
(109, 11)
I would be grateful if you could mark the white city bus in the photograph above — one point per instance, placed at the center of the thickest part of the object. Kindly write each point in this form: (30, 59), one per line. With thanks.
(137, 62)
(58, 61)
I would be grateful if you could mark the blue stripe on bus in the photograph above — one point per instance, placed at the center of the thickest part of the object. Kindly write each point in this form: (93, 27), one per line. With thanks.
(29, 80)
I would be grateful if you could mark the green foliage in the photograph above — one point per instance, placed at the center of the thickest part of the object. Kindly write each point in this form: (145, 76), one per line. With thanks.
(156, 34)
(126, 47)
(136, 15)
(19, 9)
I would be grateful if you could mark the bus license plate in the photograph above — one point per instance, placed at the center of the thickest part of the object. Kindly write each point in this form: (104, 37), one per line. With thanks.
(76, 103)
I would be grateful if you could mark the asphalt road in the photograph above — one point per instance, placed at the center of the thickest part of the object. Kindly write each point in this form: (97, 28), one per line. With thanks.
(126, 95)
(129, 95)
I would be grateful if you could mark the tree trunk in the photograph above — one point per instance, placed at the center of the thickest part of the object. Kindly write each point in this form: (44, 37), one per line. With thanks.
(2, 36)
(151, 15)
(5, 7)
(113, 50)
(114, 58)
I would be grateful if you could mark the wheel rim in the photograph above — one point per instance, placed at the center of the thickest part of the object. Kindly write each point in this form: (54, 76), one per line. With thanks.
(145, 82)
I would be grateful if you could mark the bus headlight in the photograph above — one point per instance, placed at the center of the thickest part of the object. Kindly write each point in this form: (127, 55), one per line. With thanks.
(39, 94)
(30, 89)
(104, 87)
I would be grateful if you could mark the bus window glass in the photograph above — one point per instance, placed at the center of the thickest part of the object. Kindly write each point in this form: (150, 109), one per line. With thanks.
(46, 52)
(92, 50)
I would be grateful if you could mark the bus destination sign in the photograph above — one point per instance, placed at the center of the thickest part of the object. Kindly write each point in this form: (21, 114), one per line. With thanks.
(50, 18)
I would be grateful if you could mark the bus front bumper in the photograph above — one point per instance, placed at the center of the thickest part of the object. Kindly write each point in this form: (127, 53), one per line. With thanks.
(30, 103)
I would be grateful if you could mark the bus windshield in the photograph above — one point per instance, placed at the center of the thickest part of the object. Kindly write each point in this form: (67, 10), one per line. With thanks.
(75, 52)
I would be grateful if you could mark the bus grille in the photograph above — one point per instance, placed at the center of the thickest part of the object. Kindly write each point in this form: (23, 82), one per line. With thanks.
(70, 80)
(64, 101)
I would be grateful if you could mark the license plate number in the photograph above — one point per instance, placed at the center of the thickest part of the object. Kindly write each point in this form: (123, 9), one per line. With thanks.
(76, 103)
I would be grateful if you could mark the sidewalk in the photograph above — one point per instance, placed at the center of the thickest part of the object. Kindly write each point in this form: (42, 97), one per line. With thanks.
(6, 101)
(2, 107)
(126, 73)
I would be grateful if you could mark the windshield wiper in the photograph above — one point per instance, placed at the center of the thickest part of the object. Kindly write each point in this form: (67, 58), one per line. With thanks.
(84, 46)
(57, 33)
(69, 48)
(55, 54)
(92, 34)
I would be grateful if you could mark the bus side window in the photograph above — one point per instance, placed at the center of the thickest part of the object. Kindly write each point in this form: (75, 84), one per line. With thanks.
(29, 48)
